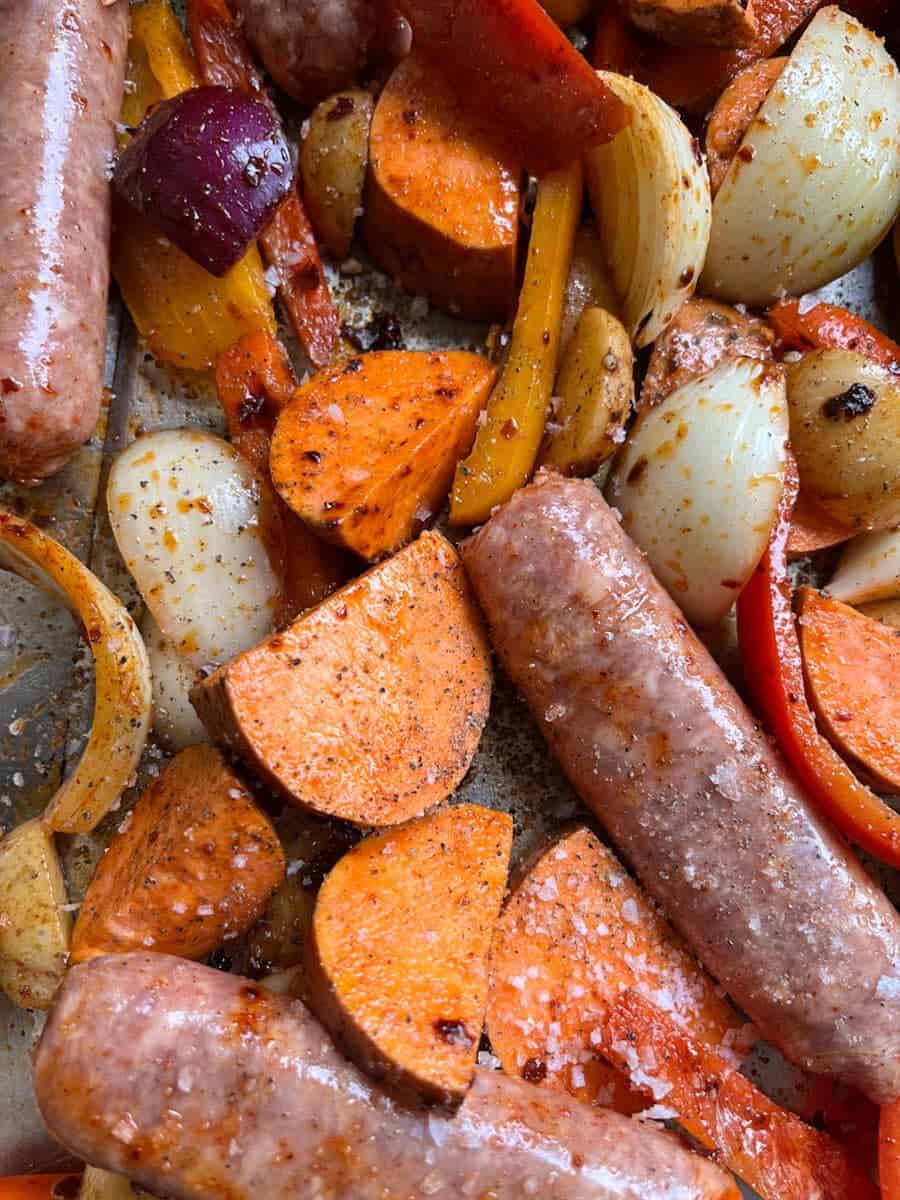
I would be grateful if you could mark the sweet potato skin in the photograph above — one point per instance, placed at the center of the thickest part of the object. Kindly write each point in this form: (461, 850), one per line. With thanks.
(397, 962)
(369, 707)
(364, 452)
(441, 211)
(193, 863)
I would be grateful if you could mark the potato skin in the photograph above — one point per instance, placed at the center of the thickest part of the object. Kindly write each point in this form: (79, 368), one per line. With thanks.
(845, 432)
(333, 161)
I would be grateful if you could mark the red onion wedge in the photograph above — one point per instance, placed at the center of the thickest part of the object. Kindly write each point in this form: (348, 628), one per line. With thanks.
(208, 168)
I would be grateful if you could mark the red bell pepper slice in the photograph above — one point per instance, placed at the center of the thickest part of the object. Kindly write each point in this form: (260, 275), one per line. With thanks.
(830, 327)
(773, 664)
(512, 62)
(288, 242)
(889, 1151)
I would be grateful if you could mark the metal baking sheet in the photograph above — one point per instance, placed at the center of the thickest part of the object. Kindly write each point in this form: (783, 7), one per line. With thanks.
(45, 672)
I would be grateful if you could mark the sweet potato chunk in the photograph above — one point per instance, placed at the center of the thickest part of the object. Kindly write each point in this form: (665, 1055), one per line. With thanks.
(442, 212)
(576, 932)
(194, 863)
(369, 707)
(365, 452)
(852, 667)
(727, 23)
(398, 958)
(812, 529)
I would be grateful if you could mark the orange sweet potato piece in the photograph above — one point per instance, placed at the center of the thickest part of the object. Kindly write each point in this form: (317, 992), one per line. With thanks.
(576, 932)
(769, 1148)
(193, 864)
(365, 451)
(441, 211)
(727, 23)
(397, 962)
(255, 382)
(852, 668)
(812, 528)
(370, 706)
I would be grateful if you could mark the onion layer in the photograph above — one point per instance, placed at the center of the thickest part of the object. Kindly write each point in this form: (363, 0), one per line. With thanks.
(650, 191)
(699, 480)
(122, 684)
(175, 723)
(815, 185)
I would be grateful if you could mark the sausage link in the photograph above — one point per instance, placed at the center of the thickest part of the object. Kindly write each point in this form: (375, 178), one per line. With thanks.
(665, 753)
(200, 1085)
(62, 66)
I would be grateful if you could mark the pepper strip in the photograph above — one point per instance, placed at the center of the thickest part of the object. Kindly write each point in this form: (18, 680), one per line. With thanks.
(773, 664)
(830, 327)
(507, 444)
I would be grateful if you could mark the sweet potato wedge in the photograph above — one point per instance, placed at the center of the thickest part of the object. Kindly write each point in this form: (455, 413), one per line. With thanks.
(852, 668)
(255, 382)
(365, 451)
(769, 1148)
(812, 528)
(398, 958)
(369, 707)
(576, 932)
(192, 865)
(441, 212)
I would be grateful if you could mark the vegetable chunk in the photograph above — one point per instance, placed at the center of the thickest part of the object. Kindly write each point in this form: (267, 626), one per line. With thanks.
(194, 863)
(398, 959)
(442, 211)
(34, 923)
(365, 452)
(576, 932)
(852, 668)
(369, 707)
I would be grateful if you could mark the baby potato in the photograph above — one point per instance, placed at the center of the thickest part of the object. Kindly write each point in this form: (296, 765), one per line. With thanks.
(595, 387)
(845, 432)
(34, 924)
(333, 162)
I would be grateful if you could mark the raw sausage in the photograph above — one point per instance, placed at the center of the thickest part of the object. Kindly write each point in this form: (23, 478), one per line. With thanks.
(62, 66)
(665, 753)
(311, 48)
(201, 1085)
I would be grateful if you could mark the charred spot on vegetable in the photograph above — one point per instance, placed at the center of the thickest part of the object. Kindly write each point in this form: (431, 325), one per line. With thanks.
(341, 108)
(453, 1032)
(534, 1071)
(312, 456)
(686, 277)
(854, 402)
(638, 471)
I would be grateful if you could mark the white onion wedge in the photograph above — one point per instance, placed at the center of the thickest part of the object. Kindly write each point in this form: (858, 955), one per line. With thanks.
(649, 188)
(175, 723)
(122, 676)
(699, 480)
(34, 923)
(815, 185)
(188, 515)
(869, 569)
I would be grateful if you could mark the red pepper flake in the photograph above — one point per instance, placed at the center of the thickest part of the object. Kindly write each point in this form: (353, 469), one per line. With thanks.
(509, 429)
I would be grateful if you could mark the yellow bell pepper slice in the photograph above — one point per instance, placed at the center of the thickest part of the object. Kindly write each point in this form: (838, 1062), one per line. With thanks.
(187, 315)
(507, 444)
